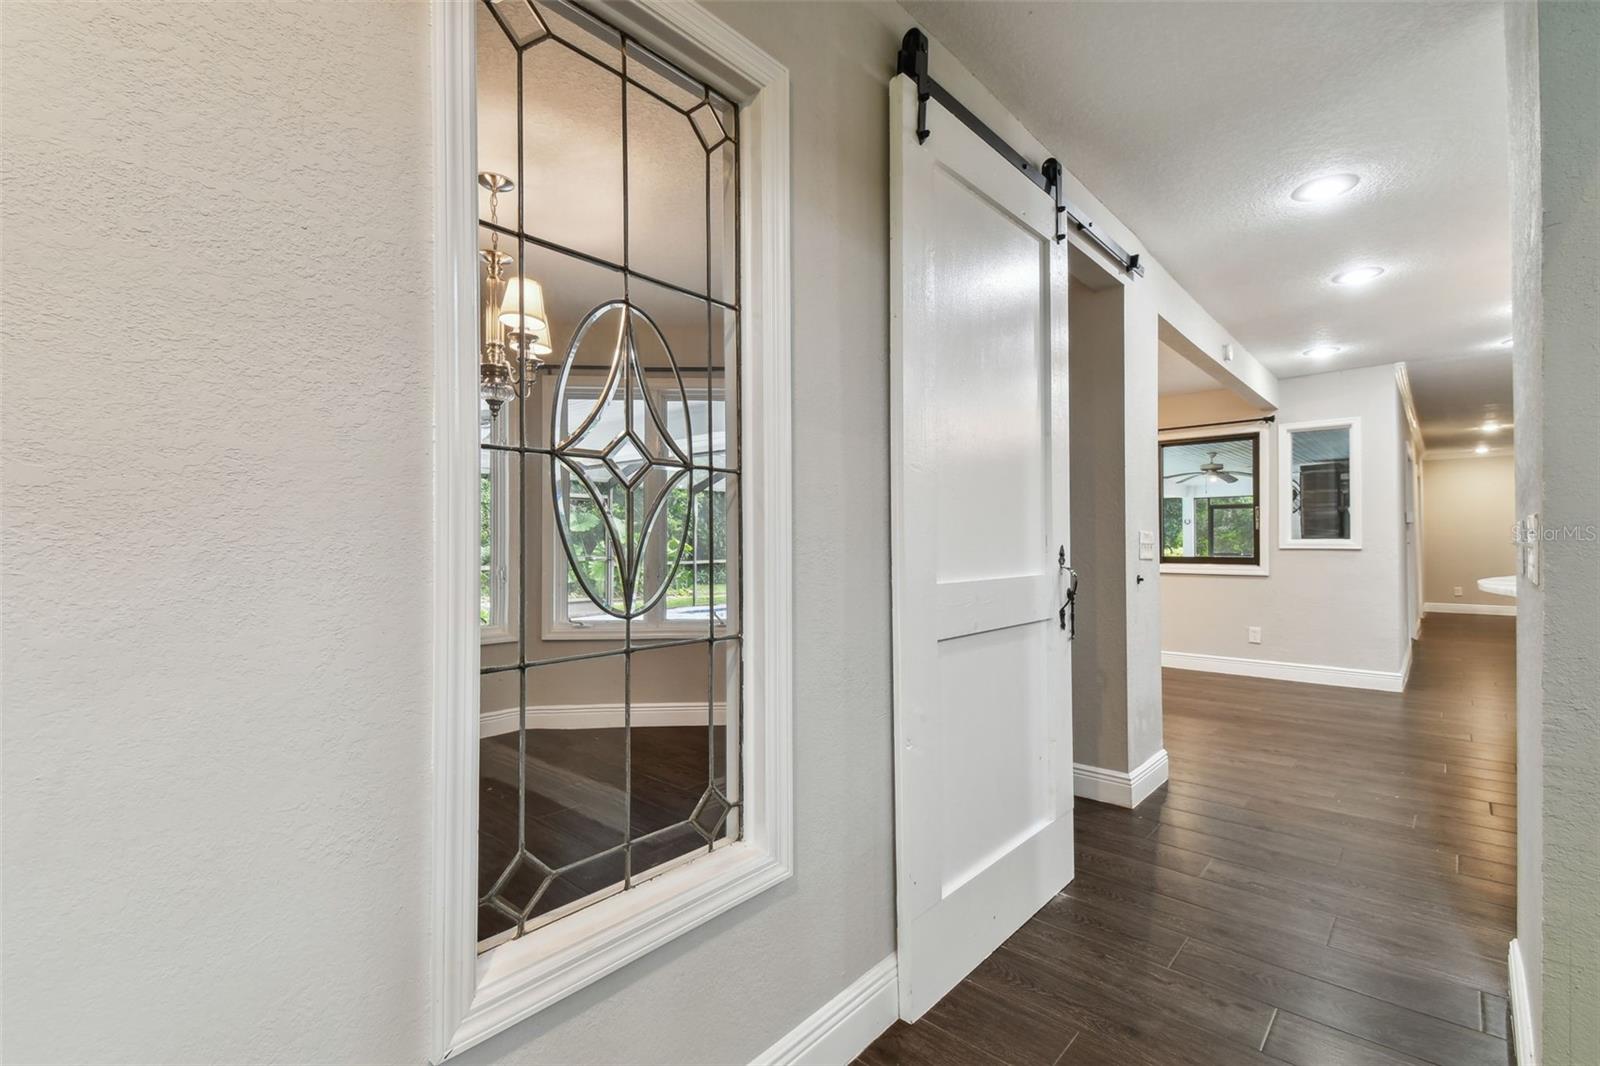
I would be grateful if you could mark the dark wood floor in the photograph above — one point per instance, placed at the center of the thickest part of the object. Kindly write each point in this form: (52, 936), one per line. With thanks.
(576, 809)
(1328, 878)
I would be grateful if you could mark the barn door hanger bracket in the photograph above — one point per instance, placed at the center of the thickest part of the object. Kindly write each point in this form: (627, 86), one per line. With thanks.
(912, 61)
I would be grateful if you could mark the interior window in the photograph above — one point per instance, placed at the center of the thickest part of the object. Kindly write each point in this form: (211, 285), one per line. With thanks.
(1319, 484)
(610, 509)
(1210, 512)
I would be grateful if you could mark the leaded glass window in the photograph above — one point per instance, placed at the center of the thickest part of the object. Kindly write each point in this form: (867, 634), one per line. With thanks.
(608, 233)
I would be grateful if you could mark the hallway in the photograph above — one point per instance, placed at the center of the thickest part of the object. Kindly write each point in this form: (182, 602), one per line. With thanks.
(1328, 878)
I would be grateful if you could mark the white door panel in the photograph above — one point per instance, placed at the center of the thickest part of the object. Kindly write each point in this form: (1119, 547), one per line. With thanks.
(983, 729)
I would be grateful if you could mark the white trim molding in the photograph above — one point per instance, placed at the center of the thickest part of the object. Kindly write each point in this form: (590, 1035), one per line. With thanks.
(1265, 483)
(1358, 482)
(1305, 673)
(1521, 1007)
(1470, 608)
(601, 716)
(1124, 788)
(841, 1028)
(478, 995)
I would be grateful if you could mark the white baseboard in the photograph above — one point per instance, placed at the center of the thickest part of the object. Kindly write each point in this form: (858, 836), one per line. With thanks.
(843, 1027)
(1471, 608)
(1405, 667)
(1306, 673)
(1521, 1011)
(599, 716)
(1124, 788)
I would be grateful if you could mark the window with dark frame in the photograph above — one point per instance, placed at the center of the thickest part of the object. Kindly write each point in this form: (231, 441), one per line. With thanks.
(1210, 503)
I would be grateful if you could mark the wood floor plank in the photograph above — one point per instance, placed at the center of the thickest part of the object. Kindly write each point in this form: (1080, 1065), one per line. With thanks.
(1120, 973)
(923, 1044)
(1419, 1035)
(1327, 879)
(1307, 1043)
(1029, 1037)
(1418, 988)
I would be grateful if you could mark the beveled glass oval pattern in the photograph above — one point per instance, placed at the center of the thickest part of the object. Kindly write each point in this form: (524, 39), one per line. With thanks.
(614, 449)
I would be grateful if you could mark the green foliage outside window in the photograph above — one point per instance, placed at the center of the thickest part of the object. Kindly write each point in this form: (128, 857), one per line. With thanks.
(1224, 527)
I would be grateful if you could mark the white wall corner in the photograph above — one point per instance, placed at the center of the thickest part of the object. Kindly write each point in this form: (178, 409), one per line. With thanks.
(1521, 1009)
(1305, 673)
(842, 1028)
(1121, 788)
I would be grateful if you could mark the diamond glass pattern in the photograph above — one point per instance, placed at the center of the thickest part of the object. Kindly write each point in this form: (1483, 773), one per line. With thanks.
(620, 755)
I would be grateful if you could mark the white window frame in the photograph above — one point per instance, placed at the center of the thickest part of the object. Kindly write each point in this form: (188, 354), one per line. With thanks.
(475, 996)
(555, 625)
(1286, 539)
(1263, 435)
(504, 612)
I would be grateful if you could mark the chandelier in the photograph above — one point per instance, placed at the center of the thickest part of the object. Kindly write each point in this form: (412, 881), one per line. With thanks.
(516, 331)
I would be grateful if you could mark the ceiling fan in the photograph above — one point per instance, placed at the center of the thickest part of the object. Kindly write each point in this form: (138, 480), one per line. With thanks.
(1211, 470)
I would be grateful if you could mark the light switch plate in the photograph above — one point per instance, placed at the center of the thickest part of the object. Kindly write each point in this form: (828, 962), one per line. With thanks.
(1147, 536)
(1147, 551)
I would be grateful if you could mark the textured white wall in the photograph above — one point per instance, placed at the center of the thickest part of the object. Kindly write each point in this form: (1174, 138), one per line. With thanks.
(1320, 607)
(216, 531)
(1554, 68)
(1468, 508)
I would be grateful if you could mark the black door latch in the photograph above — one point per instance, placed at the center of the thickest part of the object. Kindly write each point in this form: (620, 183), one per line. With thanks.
(1069, 609)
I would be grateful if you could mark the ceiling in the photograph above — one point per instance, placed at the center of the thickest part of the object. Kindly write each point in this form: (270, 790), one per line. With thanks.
(1194, 121)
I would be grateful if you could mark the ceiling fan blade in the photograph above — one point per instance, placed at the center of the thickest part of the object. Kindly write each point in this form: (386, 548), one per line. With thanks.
(1180, 474)
(1225, 476)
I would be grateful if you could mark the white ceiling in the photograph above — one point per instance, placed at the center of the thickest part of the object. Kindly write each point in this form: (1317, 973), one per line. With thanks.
(1193, 121)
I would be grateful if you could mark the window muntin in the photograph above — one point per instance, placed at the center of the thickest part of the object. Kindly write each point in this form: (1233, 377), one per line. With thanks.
(695, 547)
(497, 608)
(619, 757)
(1210, 507)
(1320, 471)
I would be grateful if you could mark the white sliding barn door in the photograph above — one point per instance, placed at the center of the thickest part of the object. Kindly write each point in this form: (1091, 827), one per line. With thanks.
(982, 663)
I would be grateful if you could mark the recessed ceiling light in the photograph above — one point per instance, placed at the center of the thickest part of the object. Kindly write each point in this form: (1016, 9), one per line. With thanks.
(1482, 449)
(1491, 426)
(1358, 276)
(1325, 188)
(1322, 351)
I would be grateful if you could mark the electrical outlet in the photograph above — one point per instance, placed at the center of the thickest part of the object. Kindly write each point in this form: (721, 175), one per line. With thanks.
(1254, 633)
(1458, 590)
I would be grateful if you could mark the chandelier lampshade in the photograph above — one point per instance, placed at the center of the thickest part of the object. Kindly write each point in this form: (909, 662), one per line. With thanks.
(522, 309)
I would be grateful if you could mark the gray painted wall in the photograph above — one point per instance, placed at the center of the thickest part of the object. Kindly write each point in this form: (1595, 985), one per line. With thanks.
(1554, 65)
(1099, 652)
(1469, 506)
(1322, 607)
(217, 532)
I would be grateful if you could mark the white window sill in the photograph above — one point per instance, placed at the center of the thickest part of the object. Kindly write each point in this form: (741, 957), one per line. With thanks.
(487, 635)
(521, 977)
(1258, 570)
